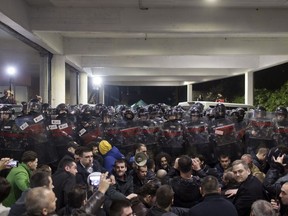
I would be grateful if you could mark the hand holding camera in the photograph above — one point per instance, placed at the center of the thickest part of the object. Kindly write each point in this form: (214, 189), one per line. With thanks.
(100, 181)
(6, 163)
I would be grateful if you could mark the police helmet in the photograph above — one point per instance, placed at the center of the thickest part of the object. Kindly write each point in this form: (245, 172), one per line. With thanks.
(128, 114)
(220, 110)
(281, 111)
(62, 108)
(260, 111)
(34, 106)
(5, 109)
(194, 111)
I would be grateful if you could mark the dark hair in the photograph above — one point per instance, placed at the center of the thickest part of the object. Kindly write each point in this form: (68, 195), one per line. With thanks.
(224, 155)
(29, 156)
(209, 185)
(164, 196)
(137, 146)
(161, 155)
(92, 144)
(66, 162)
(39, 179)
(77, 196)
(150, 163)
(185, 164)
(5, 188)
(150, 188)
(44, 168)
(120, 161)
(82, 149)
(201, 157)
(117, 207)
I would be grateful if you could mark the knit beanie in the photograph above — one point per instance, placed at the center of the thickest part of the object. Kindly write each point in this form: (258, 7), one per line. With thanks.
(104, 147)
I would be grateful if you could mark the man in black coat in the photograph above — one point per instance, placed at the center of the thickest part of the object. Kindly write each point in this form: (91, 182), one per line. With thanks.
(86, 165)
(186, 186)
(250, 189)
(64, 179)
(213, 203)
(123, 189)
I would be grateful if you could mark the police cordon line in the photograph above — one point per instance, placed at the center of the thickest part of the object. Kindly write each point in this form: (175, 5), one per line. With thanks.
(161, 127)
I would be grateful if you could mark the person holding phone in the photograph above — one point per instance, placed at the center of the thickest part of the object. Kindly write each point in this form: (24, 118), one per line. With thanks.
(19, 177)
(5, 163)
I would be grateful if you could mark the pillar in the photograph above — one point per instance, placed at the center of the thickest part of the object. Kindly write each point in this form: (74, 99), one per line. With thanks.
(101, 94)
(74, 80)
(58, 80)
(249, 88)
(44, 77)
(189, 92)
(83, 88)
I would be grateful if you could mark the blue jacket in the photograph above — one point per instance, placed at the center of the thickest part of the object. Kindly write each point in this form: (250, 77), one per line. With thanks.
(110, 157)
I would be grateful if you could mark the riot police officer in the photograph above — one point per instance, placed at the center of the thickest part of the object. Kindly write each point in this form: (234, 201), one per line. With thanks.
(260, 131)
(281, 126)
(171, 139)
(12, 141)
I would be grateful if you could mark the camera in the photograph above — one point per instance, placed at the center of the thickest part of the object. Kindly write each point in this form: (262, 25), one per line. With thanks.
(13, 163)
(94, 178)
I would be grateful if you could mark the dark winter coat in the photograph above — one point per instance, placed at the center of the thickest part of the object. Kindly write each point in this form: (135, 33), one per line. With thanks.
(213, 204)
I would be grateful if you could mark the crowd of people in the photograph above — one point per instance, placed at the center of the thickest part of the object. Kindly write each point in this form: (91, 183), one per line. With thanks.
(155, 160)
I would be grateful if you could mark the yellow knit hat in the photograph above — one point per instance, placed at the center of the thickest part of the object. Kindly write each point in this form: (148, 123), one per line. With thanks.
(104, 147)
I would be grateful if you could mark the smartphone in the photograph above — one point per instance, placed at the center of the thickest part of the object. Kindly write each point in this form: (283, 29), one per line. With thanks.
(94, 180)
(13, 163)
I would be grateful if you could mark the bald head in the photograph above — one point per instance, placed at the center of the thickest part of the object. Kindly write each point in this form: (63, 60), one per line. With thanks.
(40, 201)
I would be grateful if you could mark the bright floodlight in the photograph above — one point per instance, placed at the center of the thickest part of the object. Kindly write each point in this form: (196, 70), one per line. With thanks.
(211, 1)
(97, 81)
(11, 71)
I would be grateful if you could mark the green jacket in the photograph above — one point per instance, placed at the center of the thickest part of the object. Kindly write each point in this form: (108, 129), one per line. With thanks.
(19, 178)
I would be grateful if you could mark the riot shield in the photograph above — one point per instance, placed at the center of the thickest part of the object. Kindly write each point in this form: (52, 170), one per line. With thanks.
(129, 137)
(87, 135)
(38, 137)
(171, 139)
(148, 134)
(197, 141)
(281, 133)
(260, 133)
(13, 141)
(111, 133)
(225, 137)
(62, 131)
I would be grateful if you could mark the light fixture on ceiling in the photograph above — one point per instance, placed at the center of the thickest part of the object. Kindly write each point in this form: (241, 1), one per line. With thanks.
(97, 81)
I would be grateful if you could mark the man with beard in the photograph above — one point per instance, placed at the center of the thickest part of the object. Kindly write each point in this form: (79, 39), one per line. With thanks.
(123, 189)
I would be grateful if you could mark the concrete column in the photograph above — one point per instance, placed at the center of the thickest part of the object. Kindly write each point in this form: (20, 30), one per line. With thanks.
(189, 92)
(249, 88)
(58, 94)
(101, 94)
(83, 88)
(74, 83)
(44, 77)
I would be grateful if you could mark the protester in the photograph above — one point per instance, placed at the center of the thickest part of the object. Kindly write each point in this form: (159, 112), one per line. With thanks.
(250, 188)
(19, 177)
(213, 203)
(5, 188)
